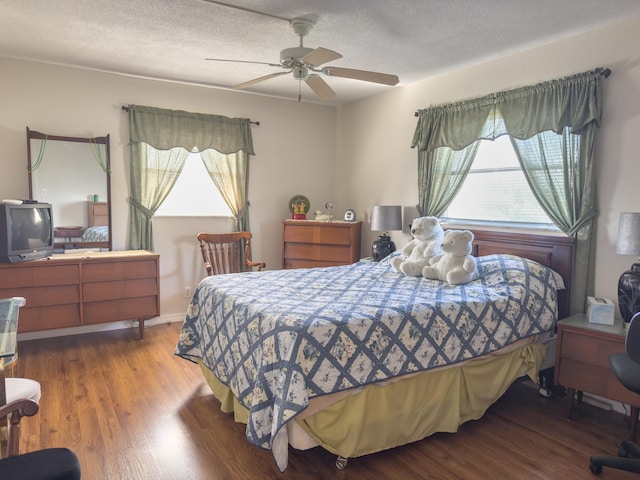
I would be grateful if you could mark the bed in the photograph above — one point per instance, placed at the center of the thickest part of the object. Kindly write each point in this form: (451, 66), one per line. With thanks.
(96, 234)
(360, 358)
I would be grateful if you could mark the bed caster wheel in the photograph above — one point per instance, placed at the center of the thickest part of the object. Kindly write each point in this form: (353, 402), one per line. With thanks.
(341, 463)
(597, 469)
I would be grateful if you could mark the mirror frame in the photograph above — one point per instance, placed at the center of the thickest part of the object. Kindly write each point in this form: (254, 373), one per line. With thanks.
(34, 135)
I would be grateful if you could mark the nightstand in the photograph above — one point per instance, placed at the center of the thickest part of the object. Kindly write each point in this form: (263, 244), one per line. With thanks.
(582, 362)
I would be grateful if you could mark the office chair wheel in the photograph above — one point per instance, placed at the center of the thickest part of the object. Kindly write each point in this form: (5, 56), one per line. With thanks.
(595, 469)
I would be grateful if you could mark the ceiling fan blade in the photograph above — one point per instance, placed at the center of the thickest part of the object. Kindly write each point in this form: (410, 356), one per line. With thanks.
(258, 80)
(373, 77)
(320, 87)
(320, 56)
(243, 61)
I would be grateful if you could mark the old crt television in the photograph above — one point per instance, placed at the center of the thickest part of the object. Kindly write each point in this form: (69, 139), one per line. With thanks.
(26, 231)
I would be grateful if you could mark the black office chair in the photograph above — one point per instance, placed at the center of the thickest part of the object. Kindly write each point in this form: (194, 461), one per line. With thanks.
(626, 368)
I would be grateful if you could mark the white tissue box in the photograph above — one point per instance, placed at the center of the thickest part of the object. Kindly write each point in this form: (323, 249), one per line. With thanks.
(600, 310)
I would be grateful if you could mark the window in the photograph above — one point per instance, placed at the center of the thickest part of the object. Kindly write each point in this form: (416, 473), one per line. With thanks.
(496, 190)
(194, 194)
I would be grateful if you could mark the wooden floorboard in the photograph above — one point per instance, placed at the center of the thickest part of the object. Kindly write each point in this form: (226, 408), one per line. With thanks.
(131, 409)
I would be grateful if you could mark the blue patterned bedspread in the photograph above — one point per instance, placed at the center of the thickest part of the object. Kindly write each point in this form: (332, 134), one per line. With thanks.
(96, 234)
(280, 337)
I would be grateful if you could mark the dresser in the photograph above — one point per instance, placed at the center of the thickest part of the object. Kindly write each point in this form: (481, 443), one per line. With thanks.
(582, 362)
(307, 243)
(98, 213)
(72, 290)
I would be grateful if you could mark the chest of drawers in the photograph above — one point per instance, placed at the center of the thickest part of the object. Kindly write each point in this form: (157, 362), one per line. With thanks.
(75, 290)
(319, 244)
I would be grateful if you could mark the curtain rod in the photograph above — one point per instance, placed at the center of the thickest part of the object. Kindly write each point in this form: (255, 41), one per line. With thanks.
(604, 72)
(126, 109)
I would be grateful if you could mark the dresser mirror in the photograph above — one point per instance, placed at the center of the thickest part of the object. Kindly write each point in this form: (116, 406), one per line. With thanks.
(73, 175)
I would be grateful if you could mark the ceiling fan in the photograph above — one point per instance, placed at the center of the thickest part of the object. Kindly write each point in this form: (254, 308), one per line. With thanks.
(304, 63)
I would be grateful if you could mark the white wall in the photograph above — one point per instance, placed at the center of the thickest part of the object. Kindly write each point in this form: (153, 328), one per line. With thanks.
(379, 166)
(295, 145)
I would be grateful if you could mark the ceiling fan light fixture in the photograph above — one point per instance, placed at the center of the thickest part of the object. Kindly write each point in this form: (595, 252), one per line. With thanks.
(300, 72)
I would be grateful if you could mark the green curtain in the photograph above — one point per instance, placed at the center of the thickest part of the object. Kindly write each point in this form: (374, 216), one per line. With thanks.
(441, 173)
(570, 108)
(176, 133)
(560, 171)
(150, 184)
(230, 174)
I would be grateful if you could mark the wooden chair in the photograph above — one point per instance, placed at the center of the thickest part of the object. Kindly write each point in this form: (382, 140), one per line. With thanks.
(221, 252)
(13, 412)
(18, 396)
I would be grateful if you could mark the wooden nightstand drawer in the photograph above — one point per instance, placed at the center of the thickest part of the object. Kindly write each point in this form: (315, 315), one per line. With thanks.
(586, 377)
(590, 350)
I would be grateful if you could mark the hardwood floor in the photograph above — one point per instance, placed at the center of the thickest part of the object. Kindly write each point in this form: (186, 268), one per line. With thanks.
(132, 410)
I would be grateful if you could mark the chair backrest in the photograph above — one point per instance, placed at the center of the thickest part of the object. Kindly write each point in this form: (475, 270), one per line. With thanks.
(221, 252)
(632, 342)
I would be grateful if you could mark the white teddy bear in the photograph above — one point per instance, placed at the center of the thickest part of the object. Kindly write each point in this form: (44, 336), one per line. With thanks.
(415, 255)
(456, 265)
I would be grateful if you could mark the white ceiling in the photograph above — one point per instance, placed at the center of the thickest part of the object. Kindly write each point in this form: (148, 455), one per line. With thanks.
(170, 39)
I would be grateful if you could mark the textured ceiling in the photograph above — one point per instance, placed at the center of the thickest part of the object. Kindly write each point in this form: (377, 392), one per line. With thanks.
(170, 39)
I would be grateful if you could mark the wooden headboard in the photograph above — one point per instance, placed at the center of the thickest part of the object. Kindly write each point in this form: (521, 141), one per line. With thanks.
(553, 251)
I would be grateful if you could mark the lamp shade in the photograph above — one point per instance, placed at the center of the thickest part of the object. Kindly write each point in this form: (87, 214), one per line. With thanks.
(386, 218)
(628, 242)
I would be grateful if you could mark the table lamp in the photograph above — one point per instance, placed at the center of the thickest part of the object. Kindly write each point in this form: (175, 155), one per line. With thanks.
(628, 243)
(385, 218)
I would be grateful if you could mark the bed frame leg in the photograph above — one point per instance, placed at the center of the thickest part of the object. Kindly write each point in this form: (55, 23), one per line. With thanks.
(341, 463)
(546, 382)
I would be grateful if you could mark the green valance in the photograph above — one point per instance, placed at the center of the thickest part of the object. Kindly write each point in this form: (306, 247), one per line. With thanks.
(165, 129)
(573, 102)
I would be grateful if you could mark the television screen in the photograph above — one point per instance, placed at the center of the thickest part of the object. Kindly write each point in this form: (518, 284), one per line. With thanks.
(30, 228)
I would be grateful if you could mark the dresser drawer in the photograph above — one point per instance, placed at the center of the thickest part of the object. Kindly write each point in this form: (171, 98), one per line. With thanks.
(104, 272)
(51, 316)
(310, 251)
(29, 276)
(43, 296)
(97, 291)
(123, 309)
(323, 235)
(100, 209)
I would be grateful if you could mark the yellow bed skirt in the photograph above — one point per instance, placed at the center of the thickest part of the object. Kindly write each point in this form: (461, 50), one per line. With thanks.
(382, 416)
